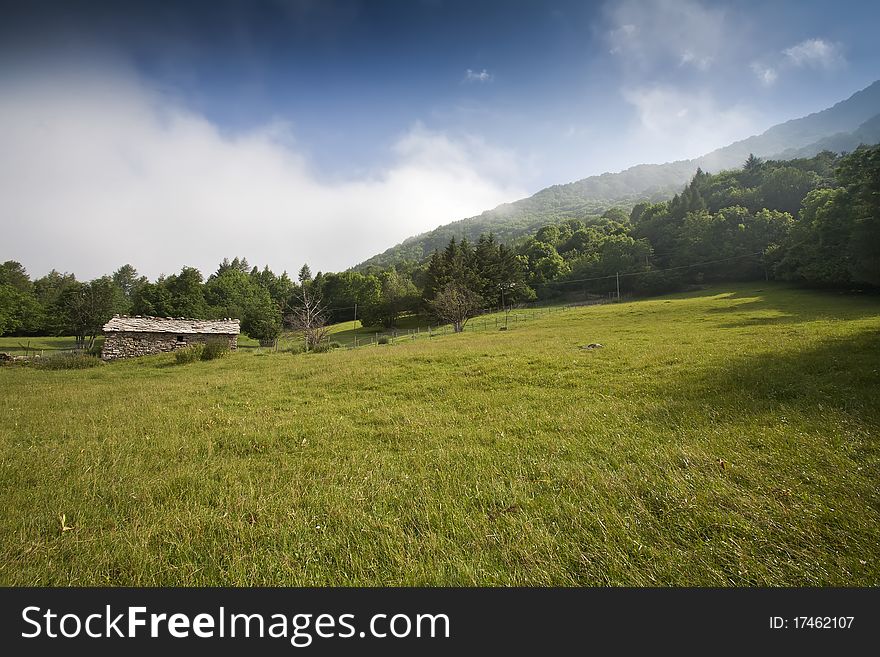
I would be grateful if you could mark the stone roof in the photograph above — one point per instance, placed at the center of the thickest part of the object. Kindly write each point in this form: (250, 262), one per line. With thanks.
(182, 325)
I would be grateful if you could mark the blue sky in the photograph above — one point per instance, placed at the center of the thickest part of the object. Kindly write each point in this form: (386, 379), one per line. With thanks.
(292, 131)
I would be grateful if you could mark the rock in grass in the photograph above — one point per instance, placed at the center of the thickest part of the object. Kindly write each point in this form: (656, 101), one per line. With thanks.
(592, 345)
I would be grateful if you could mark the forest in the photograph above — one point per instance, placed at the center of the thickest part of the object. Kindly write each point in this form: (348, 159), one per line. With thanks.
(814, 221)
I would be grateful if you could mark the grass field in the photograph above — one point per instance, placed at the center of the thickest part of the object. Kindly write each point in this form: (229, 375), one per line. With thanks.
(725, 437)
(45, 346)
(346, 334)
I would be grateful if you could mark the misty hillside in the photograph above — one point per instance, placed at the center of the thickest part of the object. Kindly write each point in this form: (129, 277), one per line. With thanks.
(841, 127)
(867, 133)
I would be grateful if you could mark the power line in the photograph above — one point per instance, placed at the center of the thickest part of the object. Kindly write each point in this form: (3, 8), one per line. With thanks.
(651, 271)
(629, 273)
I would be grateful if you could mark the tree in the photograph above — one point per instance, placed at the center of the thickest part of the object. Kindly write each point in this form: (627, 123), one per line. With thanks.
(344, 291)
(397, 295)
(84, 309)
(20, 312)
(127, 281)
(236, 264)
(14, 274)
(305, 274)
(261, 319)
(178, 295)
(230, 293)
(455, 303)
(859, 173)
(548, 234)
(816, 249)
(785, 188)
(309, 316)
(617, 215)
(691, 198)
(47, 291)
(510, 275)
(751, 171)
(280, 288)
(544, 262)
(126, 278)
(152, 299)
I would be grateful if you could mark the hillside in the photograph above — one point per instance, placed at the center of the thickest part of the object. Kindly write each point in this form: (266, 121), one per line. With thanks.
(841, 127)
(867, 133)
(741, 452)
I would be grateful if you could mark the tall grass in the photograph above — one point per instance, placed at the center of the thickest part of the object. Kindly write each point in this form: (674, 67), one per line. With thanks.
(214, 349)
(725, 438)
(66, 361)
(189, 354)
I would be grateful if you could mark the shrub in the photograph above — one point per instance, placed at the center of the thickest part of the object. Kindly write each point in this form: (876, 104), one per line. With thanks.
(189, 354)
(382, 340)
(215, 349)
(71, 361)
(261, 318)
(320, 348)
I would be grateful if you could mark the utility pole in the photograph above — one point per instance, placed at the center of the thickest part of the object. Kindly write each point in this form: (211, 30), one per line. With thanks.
(617, 274)
(355, 322)
(503, 306)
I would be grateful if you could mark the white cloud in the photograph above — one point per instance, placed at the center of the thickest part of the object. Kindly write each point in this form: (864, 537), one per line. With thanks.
(766, 75)
(621, 37)
(702, 63)
(99, 170)
(815, 53)
(477, 76)
(810, 53)
(654, 33)
(677, 125)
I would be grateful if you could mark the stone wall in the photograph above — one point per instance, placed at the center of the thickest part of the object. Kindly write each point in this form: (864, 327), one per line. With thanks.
(121, 344)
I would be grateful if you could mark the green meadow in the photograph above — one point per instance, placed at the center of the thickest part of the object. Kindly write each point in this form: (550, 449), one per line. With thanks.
(726, 437)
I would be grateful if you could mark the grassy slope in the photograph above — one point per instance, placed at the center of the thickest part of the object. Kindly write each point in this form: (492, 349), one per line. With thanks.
(45, 345)
(481, 458)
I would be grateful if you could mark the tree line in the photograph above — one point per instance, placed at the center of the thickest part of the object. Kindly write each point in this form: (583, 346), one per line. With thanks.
(815, 221)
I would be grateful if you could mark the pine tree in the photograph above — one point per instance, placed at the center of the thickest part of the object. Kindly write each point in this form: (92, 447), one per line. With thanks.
(305, 274)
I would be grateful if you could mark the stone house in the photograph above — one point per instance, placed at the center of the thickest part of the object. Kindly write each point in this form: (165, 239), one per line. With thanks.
(128, 337)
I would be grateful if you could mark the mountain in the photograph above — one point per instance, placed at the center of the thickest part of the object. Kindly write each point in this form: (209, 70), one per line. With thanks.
(844, 117)
(867, 133)
(841, 127)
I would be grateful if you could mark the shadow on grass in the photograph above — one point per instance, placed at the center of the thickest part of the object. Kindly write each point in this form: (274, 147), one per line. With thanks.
(838, 373)
(788, 444)
(791, 306)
